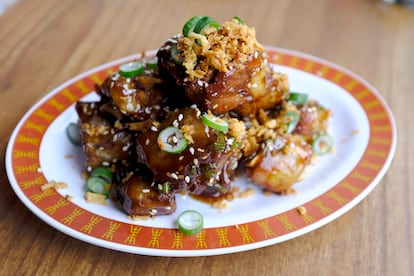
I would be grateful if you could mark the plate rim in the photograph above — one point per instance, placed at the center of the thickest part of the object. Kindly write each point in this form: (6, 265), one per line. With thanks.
(275, 51)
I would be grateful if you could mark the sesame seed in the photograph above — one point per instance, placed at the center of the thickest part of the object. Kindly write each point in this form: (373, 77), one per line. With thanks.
(230, 141)
(187, 179)
(174, 175)
(181, 157)
(175, 123)
(153, 128)
(159, 187)
(191, 149)
(115, 77)
(195, 161)
(180, 117)
(147, 142)
(145, 191)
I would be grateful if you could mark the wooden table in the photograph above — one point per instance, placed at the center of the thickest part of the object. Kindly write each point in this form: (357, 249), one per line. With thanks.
(46, 42)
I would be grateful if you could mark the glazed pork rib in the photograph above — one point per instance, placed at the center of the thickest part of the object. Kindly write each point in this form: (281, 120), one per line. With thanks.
(221, 78)
(207, 164)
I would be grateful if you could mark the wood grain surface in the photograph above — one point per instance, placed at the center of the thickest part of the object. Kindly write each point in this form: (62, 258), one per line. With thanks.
(43, 43)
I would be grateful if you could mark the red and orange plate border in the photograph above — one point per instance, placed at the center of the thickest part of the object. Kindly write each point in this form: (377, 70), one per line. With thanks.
(26, 177)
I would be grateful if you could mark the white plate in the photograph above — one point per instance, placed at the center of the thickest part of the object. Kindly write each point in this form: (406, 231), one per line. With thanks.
(362, 126)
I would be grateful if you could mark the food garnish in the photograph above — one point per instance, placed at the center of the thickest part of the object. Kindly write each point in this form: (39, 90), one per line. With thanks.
(73, 134)
(190, 222)
(131, 69)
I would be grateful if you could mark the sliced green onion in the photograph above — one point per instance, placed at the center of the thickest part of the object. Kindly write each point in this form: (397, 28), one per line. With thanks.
(322, 144)
(219, 146)
(97, 185)
(74, 134)
(152, 63)
(293, 121)
(131, 69)
(165, 187)
(103, 173)
(204, 23)
(190, 222)
(238, 20)
(175, 55)
(172, 140)
(190, 24)
(215, 122)
(298, 98)
(99, 180)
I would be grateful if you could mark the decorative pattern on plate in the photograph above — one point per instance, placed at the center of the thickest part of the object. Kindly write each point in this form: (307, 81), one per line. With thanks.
(26, 176)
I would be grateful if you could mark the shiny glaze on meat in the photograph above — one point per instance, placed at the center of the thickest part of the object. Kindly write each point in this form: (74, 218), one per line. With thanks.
(102, 144)
(139, 98)
(244, 89)
(313, 121)
(139, 198)
(200, 168)
(279, 164)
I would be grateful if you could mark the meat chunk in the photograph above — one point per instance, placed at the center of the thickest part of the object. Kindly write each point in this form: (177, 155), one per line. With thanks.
(103, 144)
(205, 167)
(140, 198)
(138, 98)
(314, 120)
(280, 163)
(244, 88)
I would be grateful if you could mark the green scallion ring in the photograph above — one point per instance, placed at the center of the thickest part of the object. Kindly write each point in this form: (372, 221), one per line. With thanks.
(172, 140)
(215, 122)
(322, 144)
(238, 20)
(190, 24)
(102, 172)
(298, 98)
(152, 63)
(73, 133)
(131, 69)
(190, 222)
(175, 55)
(204, 23)
(293, 121)
(97, 185)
